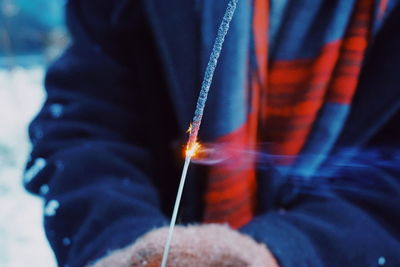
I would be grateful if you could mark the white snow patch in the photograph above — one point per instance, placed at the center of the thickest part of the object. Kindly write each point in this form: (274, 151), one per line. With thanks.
(22, 239)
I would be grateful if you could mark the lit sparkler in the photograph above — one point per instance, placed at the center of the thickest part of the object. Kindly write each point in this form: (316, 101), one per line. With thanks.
(193, 145)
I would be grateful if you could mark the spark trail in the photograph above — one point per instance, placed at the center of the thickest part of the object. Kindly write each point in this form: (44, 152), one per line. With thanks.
(192, 144)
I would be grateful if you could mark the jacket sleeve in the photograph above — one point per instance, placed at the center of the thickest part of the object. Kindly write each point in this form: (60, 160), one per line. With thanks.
(347, 214)
(348, 217)
(95, 141)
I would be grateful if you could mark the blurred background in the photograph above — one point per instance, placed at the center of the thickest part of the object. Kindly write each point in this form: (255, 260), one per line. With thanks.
(32, 34)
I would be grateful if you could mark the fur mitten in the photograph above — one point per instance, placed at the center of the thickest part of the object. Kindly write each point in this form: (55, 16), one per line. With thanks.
(194, 246)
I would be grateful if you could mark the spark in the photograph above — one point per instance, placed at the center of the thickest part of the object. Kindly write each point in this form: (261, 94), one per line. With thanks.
(193, 150)
(193, 145)
(189, 130)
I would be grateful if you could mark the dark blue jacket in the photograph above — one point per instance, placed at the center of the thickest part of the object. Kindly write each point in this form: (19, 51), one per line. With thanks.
(107, 145)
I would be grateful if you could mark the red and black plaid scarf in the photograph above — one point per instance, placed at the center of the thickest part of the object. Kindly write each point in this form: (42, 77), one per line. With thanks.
(285, 98)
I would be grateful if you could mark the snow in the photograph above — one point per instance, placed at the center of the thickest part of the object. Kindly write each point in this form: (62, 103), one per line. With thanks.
(31, 173)
(56, 110)
(51, 208)
(44, 189)
(22, 239)
(66, 241)
(381, 261)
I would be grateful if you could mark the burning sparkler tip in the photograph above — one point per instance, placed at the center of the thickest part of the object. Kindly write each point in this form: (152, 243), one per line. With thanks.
(193, 149)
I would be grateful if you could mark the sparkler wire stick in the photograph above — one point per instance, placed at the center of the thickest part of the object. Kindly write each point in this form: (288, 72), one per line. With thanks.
(192, 144)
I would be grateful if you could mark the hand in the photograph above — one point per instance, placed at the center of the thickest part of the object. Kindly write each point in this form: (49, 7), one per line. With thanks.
(195, 246)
